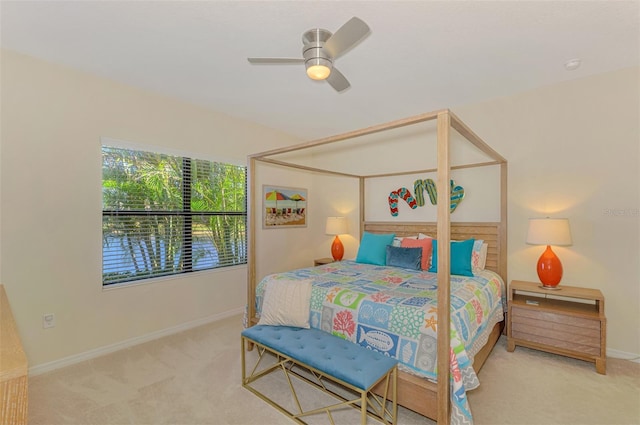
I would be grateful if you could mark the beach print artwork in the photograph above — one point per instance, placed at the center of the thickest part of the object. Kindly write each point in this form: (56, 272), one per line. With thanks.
(284, 207)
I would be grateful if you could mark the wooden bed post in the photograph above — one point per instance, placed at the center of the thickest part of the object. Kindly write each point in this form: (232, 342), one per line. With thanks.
(502, 267)
(443, 236)
(362, 212)
(251, 241)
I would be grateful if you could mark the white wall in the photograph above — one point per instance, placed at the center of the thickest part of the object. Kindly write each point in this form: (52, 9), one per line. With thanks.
(574, 151)
(52, 121)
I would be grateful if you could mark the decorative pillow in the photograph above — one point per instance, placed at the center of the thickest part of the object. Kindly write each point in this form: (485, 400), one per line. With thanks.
(479, 255)
(373, 248)
(397, 241)
(460, 257)
(423, 236)
(426, 245)
(286, 303)
(408, 258)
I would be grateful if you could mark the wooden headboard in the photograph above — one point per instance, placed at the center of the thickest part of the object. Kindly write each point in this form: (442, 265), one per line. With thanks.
(492, 233)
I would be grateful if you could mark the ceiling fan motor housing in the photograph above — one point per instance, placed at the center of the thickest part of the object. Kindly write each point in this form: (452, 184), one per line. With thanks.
(313, 51)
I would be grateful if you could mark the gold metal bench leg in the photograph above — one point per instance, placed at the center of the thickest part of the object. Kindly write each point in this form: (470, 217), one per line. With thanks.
(363, 408)
(242, 358)
(293, 390)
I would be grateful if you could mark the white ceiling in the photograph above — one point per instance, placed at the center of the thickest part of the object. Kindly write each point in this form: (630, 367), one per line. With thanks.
(420, 55)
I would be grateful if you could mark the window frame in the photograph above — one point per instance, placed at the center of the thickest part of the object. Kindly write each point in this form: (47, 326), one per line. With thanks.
(185, 212)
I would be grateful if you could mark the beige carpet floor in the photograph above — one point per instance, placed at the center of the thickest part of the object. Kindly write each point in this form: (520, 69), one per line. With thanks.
(193, 378)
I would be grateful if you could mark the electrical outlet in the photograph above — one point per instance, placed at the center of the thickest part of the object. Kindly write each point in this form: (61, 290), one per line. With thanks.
(48, 320)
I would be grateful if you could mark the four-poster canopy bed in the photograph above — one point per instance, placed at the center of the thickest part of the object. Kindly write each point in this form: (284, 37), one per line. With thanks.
(415, 392)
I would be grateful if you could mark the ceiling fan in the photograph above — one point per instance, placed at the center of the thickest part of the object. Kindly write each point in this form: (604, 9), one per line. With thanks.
(321, 48)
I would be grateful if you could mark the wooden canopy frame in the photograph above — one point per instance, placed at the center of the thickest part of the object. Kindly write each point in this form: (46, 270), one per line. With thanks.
(445, 121)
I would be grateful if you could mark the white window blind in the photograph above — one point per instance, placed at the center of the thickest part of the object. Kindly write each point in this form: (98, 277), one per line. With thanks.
(165, 214)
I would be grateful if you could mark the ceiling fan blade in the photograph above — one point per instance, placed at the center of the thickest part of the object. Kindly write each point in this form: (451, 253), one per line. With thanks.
(337, 80)
(346, 37)
(266, 61)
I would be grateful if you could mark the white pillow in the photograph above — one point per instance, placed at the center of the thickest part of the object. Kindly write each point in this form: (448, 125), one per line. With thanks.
(286, 303)
(423, 236)
(479, 255)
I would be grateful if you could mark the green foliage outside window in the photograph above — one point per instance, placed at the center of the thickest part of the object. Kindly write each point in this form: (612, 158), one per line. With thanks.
(165, 215)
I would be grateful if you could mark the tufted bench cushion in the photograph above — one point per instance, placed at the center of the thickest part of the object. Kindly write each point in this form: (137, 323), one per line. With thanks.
(341, 359)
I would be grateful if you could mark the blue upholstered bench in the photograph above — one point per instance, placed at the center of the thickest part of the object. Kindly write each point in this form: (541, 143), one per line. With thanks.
(324, 356)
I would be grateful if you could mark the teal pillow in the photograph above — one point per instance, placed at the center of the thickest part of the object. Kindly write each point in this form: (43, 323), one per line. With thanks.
(373, 248)
(460, 257)
(408, 258)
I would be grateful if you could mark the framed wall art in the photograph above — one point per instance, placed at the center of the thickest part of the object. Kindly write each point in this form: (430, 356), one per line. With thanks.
(283, 207)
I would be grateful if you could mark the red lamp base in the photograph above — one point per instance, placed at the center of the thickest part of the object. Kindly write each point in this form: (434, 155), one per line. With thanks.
(549, 269)
(337, 249)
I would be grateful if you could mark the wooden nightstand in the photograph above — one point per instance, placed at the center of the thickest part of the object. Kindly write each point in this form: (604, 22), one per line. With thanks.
(569, 321)
(322, 261)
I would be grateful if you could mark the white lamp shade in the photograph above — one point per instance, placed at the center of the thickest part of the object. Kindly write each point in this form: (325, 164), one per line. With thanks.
(336, 226)
(549, 231)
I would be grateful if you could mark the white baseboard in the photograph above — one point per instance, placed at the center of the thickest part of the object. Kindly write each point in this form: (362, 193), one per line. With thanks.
(97, 352)
(87, 355)
(617, 354)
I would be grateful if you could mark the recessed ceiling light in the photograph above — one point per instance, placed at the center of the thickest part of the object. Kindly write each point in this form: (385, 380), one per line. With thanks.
(572, 64)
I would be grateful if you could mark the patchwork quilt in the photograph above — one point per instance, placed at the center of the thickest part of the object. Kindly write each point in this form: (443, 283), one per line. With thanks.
(394, 311)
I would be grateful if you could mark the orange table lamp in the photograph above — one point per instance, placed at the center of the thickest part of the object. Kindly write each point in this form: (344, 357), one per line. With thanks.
(336, 226)
(549, 231)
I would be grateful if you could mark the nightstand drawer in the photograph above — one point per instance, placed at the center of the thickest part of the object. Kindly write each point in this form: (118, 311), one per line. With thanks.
(557, 336)
(571, 343)
(556, 330)
(543, 317)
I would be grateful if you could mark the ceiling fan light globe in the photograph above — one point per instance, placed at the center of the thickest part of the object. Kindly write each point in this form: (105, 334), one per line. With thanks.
(318, 68)
(318, 72)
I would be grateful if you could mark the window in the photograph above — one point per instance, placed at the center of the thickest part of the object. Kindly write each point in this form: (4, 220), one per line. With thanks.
(165, 215)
